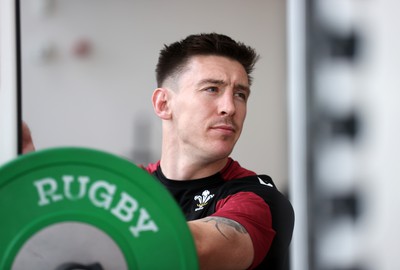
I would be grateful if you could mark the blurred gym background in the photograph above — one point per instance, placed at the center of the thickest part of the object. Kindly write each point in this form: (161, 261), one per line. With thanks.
(322, 117)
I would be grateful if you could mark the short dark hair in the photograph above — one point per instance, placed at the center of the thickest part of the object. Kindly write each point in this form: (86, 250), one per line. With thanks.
(175, 56)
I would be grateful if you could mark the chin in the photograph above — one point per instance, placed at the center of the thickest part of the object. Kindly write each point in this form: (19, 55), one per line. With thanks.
(221, 153)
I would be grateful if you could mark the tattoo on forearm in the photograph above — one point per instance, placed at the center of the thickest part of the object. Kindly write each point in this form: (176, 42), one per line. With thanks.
(225, 221)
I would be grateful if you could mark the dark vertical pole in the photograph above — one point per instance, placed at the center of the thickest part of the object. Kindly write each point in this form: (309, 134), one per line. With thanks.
(18, 38)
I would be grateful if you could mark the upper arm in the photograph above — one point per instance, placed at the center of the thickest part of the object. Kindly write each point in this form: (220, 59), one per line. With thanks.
(239, 233)
(222, 243)
(254, 214)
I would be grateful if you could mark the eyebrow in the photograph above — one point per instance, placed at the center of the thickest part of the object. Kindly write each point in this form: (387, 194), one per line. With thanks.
(239, 86)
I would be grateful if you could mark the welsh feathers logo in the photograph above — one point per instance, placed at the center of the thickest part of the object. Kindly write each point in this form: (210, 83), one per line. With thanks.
(203, 199)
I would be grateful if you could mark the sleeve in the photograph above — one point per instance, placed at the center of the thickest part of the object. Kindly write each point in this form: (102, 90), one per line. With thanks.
(253, 213)
(151, 168)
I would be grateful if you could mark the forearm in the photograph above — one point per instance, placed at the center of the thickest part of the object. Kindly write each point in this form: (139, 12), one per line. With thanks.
(221, 243)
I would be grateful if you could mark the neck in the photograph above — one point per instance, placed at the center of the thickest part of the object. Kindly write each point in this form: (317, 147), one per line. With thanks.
(190, 170)
(181, 162)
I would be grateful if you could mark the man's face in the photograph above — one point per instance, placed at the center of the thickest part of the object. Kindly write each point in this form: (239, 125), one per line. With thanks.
(209, 106)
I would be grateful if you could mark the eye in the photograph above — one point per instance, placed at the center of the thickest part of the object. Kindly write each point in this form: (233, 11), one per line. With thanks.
(241, 95)
(212, 89)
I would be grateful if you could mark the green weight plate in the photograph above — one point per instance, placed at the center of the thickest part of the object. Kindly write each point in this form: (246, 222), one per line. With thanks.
(78, 205)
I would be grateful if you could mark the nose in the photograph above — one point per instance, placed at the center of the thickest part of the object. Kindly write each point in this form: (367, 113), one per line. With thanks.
(227, 104)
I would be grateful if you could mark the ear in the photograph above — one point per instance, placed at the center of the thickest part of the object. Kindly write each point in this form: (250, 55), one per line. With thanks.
(161, 103)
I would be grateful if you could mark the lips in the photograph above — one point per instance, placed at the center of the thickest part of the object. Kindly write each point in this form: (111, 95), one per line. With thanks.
(224, 127)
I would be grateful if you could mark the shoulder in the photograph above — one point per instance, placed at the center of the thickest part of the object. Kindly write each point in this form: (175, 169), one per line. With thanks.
(233, 170)
(256, 182)
(263, 186)
(238, 179)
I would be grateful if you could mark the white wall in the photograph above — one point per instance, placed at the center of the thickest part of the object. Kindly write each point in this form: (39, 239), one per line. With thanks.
(101, 100)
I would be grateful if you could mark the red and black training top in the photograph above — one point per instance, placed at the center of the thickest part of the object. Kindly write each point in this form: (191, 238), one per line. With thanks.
(241, 195)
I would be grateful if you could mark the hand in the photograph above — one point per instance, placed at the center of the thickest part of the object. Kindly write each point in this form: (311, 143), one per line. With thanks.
(27, 142)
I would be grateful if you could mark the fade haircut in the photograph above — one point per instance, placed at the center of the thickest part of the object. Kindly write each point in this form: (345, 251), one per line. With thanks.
(174, 57)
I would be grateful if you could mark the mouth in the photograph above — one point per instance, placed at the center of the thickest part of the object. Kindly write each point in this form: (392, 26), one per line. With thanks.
(225, 129)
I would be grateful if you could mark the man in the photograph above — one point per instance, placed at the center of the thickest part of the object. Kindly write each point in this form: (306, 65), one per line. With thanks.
(238, 219)
(203, 88)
